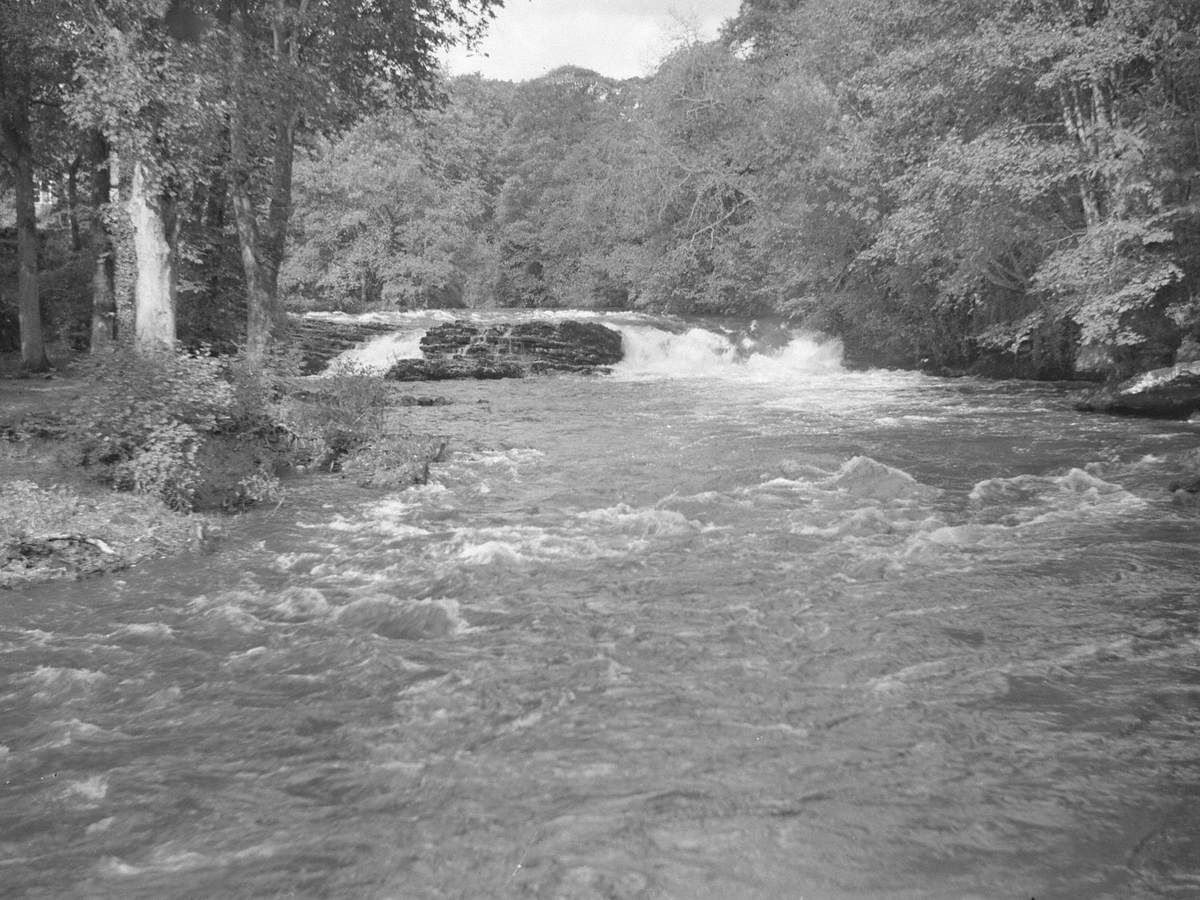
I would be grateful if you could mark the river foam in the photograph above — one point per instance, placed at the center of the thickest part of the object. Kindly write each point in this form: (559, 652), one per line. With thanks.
(700, 353)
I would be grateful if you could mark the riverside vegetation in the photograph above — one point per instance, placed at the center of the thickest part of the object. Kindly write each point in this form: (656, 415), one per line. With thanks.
(121, 460)
(168, 133)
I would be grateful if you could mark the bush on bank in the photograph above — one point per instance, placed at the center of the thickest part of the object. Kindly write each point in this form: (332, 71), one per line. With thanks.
(172, 435)
(205, 432)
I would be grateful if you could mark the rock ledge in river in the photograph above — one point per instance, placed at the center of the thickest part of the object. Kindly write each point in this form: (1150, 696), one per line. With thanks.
(1172, 392)
(464, 350)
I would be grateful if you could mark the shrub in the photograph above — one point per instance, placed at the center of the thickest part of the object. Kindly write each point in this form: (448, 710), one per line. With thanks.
(165, 465)
(395, 462)
(134, 397)
(206, 432)
(147, 419)
(342, 413)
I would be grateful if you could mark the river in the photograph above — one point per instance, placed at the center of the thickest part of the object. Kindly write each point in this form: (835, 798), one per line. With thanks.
(713, 626)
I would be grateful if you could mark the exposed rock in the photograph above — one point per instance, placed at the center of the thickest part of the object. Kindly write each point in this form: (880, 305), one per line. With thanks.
(445, 369)
(320, 340)
(464, 350)
(1189, 487)
(449, 339)
(1172, 392)
(411, 400)
(73, 556)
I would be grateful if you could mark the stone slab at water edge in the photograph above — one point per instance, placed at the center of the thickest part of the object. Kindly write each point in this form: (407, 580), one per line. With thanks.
(462, 349)
(321, 338)
(1172, 392)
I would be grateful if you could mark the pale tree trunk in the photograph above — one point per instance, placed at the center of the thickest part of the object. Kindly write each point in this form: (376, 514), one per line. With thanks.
(152, 216)
(104, 267)
(124, 257)
(1082, 128)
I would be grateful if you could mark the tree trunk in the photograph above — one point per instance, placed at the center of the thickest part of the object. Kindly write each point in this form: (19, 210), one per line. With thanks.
(155, 236)
(17, 150)
(262, 248)
(73, 204)
(1083, 132)
(29, 311)
(262, 243)
(258, 300)
(104, 265)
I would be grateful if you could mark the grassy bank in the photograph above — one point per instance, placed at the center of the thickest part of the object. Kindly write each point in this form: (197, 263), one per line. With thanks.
(109, 462)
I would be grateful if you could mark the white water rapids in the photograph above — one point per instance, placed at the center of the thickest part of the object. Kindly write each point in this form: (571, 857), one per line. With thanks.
(722, 624)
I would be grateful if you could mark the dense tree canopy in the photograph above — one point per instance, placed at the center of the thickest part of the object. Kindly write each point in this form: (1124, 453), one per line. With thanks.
(954, 181)
(200, 104)
(1003, 183)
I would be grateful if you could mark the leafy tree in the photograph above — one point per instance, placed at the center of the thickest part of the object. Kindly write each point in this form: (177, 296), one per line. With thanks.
(149, 85)
(316, 65)
(993, 150)
(551, 153)
(204, 94)
(397, 210)
(33, 67)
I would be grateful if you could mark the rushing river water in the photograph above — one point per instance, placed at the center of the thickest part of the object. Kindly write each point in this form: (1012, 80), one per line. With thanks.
(703, 628)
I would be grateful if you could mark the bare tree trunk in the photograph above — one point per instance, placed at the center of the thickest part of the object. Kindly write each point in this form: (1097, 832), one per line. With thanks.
(262, 240)
(104, 265)
(1084, 133)
(155, 236)
(262, 247)
(73, 204)
(17, 151)
(29, 311)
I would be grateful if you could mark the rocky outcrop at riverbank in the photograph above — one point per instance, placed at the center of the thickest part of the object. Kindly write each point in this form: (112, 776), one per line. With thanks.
(1172, 392)
(321, 339)
(464, 350)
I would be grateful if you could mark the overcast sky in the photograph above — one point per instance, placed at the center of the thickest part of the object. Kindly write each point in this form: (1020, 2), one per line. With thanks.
(618, 38)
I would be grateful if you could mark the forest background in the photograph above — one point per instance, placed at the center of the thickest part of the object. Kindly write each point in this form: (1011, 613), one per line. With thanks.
(1003, 187)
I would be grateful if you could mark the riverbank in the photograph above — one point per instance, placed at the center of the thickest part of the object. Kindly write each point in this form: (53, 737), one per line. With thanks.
(58, 522)
(61, 520)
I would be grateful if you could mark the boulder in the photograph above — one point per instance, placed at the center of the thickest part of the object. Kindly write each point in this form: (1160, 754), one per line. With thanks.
(464, 350)
(1172, 392)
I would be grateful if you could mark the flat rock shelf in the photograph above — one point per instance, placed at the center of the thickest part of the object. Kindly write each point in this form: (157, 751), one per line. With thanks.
(464, 350)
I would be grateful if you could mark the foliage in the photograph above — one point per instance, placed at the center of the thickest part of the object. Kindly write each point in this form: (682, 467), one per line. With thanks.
(392, 213)
(344, 412)
(143, 425)
(394, 461)
(1022, 159)
(163, 464)
(954, 183)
